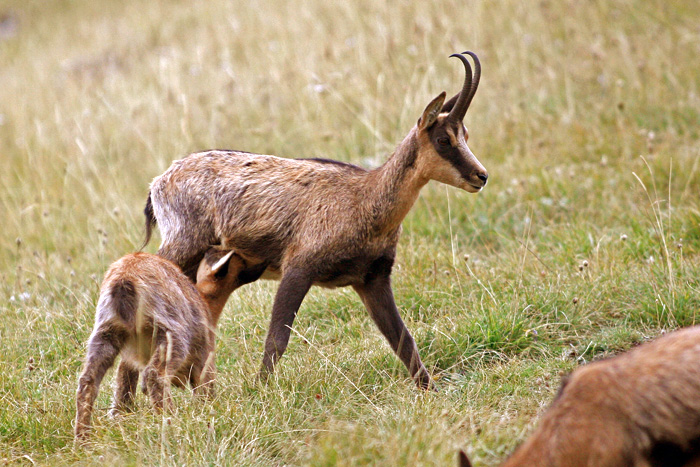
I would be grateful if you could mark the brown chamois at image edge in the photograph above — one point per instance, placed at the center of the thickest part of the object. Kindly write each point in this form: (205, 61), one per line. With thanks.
(160, 323)
(315, 221)
(639, 409)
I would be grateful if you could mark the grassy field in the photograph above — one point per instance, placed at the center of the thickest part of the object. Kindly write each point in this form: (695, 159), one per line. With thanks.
(585, 242)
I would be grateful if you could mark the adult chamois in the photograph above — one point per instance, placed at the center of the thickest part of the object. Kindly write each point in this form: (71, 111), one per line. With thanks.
(639, 409)
(315, 221)
(161, 324)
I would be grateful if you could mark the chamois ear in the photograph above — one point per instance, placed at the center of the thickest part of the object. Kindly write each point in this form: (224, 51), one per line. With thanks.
(217, 268)
(464, 460)
(431, 112)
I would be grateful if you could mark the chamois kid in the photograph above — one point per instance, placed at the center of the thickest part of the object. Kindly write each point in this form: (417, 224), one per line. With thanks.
(161, 324)
(639, 409)
(315, 221)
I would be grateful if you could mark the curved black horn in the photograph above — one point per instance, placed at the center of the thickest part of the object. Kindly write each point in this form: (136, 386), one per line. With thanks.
(477, 75)
(460, 108)
(469, 88)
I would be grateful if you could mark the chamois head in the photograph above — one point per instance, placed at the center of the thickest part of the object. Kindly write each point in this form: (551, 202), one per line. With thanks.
(443, 137)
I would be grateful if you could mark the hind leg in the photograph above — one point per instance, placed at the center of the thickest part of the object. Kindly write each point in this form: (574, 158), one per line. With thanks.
(186, 253)
(203, 374)
(103, 348)
(208, 376)
(164, 364)
(127, 380)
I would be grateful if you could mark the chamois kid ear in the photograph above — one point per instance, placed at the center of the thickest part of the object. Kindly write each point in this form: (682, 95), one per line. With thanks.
(431, 112)
(220, 269)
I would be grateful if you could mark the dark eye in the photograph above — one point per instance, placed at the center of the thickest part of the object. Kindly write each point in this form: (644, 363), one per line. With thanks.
(443, 141)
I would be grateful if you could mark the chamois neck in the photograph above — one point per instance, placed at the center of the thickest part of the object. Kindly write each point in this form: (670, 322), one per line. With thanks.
(394, 186)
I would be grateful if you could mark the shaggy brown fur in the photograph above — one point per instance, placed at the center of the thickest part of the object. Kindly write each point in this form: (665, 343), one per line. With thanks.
(160, 323)
(639, 409)
(315, 222)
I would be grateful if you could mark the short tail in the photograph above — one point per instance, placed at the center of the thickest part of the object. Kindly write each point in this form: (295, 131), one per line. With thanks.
(464, 460)
(125, 301)
(150, 220)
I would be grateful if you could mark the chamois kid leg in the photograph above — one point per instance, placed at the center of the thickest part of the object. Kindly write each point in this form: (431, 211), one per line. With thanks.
(378, 298)
(164, 364)
(103, 348)
(127, 380)
(291, 292)
(203, 374)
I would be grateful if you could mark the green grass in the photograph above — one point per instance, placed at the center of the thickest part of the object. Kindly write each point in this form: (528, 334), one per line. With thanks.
(586, 118)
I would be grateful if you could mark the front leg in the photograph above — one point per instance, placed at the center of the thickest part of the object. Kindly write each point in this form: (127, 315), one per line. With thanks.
(291, 292)
(378, 298)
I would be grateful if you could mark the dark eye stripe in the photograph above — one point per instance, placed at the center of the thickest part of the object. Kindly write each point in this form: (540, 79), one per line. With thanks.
(455, 158)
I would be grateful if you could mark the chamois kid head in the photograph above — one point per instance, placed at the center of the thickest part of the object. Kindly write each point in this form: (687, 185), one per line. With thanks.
(442, 137)
(217, 278)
